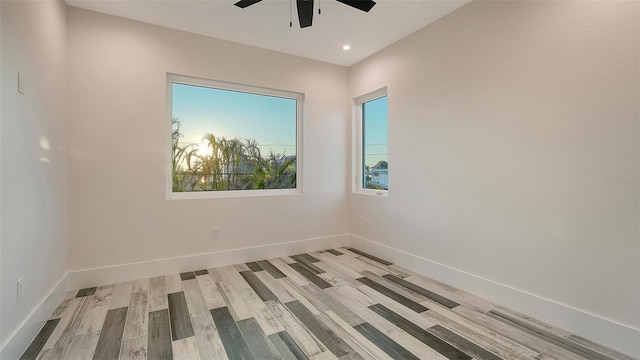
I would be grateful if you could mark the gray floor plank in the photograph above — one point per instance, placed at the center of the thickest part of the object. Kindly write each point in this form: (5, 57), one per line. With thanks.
(393, 295)
(36, 345)
(387, 345)
(334, 252)
(110, 340)
(287, 347)
(258, 286)
(159, 336)
(422, 291)
(261, 347)
(86, 292)
(315, 279)
(274, 271)
(336, 345)
(463, 344)
(254, 266)
(419, 333)
(179, 315)
(362, 253)
(232, 339)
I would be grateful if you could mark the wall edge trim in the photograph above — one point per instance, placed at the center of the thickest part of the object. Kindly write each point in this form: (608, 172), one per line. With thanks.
(610, 333)
(21, 337)
(144, 269)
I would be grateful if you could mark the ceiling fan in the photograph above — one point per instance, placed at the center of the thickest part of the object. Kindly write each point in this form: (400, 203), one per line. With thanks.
(305, 8)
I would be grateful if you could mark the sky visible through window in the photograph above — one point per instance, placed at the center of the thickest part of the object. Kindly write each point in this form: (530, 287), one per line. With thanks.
(375, 131)
(269, 120)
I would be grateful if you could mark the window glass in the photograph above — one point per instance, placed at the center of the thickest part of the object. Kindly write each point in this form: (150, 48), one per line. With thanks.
(375, 171)
(230, 138)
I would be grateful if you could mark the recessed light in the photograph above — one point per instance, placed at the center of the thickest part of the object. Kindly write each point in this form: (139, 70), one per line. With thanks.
(346, 47)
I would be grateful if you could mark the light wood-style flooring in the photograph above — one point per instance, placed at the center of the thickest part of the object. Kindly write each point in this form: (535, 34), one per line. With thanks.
(335, 304)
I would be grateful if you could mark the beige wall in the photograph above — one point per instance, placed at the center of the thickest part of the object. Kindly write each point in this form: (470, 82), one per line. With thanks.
(118, 145)
(33, 172)
(514, 149)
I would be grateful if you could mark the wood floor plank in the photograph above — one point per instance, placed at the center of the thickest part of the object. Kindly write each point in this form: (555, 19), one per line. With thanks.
(331, 304)
(159, 336)
(518, 335)
(597, 347)
(68, 297)
(31, 353)
(296, 329)
(336, 345)
(548, 337)
(369, 256)
(134, 348)
(186, 349)
(334, 252)
(83, 346)
(207, 336)
(62, 330)
(172, 283)
(110, 340)
(369, 349)
(463, 344)
(287, 347)
(275, 286)
(121, 295)
(245, 303)
(392, 348)
(234, 344)
(86, 291)
(484, 337)
(261, 347)
(157, 299)
(137, 317)
(189, 275)
(305, 262)
(289, 272)
(258, 286)
(271, 269)
(313, 278)
(409, 294)
(254, 266)
(181, 326)
(393, 295)
(422, 291)
(65, 339)
(210, 292)
(95, 315)
(444, 348)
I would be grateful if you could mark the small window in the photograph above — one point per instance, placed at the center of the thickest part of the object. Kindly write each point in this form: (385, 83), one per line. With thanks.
(232, 140)
(372, 172)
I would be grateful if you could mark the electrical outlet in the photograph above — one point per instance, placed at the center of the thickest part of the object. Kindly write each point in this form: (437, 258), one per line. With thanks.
(215, 234)
(19, 289)
(365, 224)
(20, 83)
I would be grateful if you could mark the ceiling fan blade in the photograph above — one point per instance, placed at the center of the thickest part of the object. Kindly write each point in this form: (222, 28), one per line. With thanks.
(244, 3)
(305, 12)
(364, 5)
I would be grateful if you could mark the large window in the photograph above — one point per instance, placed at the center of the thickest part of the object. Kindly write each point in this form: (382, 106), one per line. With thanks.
(372, 161)
(232, 140)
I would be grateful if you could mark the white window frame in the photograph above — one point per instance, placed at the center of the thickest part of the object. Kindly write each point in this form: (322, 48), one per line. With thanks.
(357, 141)
(189, 80)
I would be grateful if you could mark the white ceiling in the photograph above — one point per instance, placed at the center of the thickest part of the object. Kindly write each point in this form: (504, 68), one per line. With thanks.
(266, 24)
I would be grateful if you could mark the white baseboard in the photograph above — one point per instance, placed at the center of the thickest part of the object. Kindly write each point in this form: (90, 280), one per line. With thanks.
(20, 339)
(126, 272)
(609, 333)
